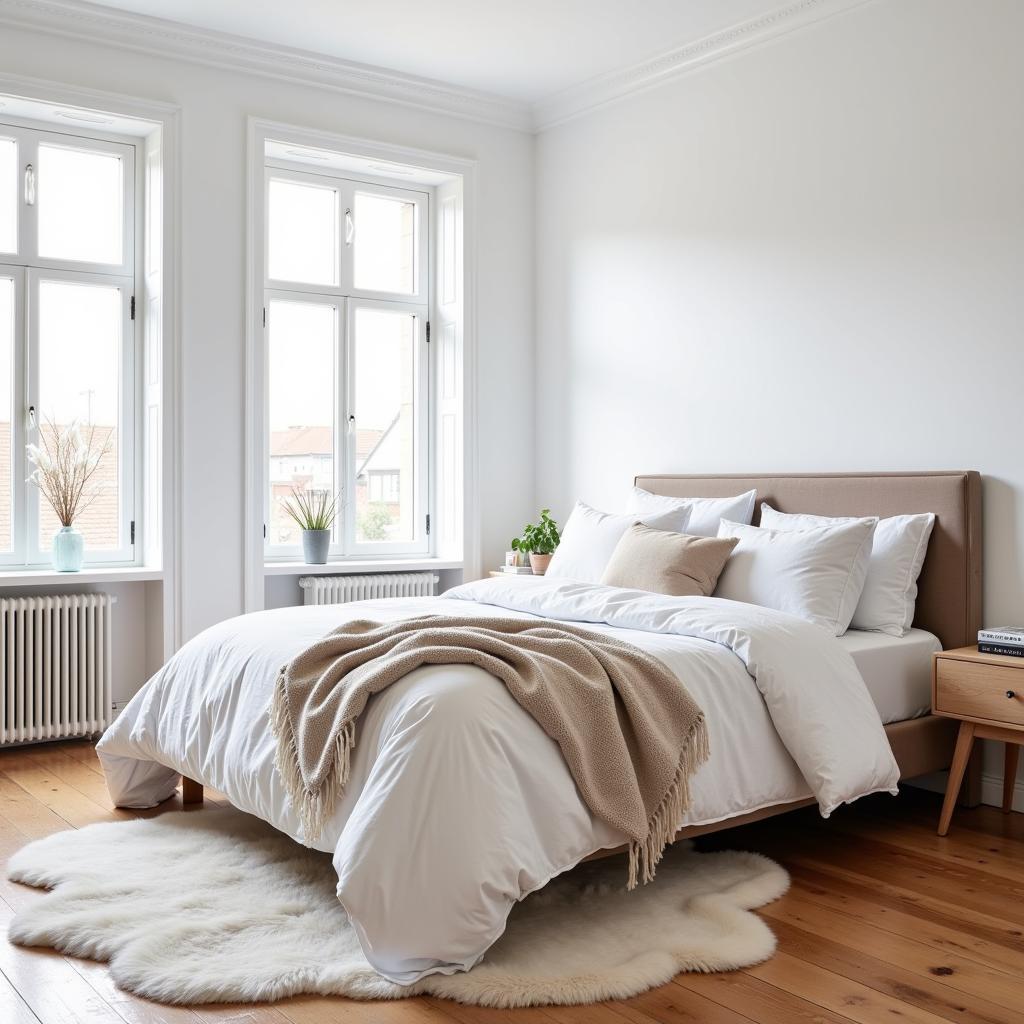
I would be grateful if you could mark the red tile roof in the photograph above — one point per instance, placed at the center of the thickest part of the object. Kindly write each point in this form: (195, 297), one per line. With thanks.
(317, 441)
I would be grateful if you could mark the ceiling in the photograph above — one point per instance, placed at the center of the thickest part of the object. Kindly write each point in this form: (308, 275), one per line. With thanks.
(525, 50)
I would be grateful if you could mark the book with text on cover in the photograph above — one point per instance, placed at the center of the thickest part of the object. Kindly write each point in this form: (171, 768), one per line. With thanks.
(1002, 635)
(1010, 650)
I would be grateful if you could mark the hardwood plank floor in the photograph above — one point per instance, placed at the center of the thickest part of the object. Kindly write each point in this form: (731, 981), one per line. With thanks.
(885, 919)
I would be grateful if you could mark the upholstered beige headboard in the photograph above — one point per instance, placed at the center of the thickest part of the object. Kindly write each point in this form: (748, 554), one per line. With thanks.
(949, 590)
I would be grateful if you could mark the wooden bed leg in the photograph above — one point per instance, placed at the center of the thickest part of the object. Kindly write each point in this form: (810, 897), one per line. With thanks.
(191, 791)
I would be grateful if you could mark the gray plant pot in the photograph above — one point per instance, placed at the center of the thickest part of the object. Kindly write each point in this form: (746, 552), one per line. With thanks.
(315, 546)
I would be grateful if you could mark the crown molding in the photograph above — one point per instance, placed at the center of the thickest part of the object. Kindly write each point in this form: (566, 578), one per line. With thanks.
(617, 85)
(77, 19)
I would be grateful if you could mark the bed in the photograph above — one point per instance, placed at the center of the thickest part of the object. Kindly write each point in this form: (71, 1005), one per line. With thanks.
(458, 805)
(949, 587)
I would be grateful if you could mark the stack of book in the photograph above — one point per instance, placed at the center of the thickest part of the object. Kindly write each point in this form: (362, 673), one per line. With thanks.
(516, 570)
(1002, 640)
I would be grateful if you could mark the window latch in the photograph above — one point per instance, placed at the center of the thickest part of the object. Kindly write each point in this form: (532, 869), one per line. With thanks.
(30, 185)
(31, 417)
(350, 227)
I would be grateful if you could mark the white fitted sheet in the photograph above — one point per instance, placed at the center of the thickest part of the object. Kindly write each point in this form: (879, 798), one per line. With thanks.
(897, 670)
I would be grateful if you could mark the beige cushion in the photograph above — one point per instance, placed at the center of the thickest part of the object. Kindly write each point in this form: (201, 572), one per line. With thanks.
(665, 562)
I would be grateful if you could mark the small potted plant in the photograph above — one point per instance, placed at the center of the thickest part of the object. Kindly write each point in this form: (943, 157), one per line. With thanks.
(538, 541)
(65, 463)
(314, 512)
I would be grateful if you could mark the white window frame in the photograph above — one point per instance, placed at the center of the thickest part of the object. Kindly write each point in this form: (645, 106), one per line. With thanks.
(124, 551)
(29, 269)
(19, 464)
(316, 181)
(346, 298)
(453, 182)
(420, 294)
(290, 551)
(346, 189)
(29, 137)
(420, 544)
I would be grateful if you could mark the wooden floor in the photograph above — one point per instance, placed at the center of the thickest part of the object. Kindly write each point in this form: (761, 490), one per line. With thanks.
(885, 921)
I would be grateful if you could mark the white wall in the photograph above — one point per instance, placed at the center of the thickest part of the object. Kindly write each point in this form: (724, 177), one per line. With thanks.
(806, 257)
(215, 105)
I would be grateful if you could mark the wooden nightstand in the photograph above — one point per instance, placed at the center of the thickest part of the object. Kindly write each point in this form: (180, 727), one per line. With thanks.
(986, 693)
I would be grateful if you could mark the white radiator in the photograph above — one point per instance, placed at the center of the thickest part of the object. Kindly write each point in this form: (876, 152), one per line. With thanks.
(55, 666)
(339, 589)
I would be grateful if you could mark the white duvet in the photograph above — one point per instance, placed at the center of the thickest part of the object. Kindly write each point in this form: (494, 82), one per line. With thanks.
(458, 805)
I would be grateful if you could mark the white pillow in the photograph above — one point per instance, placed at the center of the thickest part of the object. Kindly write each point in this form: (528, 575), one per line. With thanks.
(705, 513)
(898, 548)
(817, 574)
(590, 537)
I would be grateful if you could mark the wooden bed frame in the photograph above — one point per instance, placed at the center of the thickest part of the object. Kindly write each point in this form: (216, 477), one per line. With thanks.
(949, 588)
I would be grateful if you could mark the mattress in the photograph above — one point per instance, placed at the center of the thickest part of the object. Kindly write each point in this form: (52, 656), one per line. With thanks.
(896, 669)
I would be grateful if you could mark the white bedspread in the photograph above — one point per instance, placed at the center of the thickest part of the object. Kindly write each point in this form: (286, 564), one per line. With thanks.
(458, 805)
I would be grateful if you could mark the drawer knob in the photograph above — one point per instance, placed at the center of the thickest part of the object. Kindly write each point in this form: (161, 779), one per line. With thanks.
(1010, 694)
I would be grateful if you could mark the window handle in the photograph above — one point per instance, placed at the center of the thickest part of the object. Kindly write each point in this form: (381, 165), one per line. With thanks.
(30, 185)
(351, 425)
(31, 417)
(350, 227)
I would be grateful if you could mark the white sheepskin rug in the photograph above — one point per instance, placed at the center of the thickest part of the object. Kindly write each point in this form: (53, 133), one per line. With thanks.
(216, 906)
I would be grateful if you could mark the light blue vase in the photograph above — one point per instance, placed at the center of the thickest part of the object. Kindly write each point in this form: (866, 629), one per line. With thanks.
(68, 549)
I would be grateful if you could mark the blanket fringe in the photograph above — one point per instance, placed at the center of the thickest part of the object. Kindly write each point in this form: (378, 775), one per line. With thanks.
(645, 854)
(314, 806)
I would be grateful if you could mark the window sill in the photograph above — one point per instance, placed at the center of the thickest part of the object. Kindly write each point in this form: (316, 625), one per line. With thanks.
(99, 574)
(364, 565)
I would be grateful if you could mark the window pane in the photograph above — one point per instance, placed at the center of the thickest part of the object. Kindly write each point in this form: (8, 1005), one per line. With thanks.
(79, 378)
(385, 244)
(7, 297)
(80, 197)
(385, 395)
(301, 375)
(302, 238)
(8, 195)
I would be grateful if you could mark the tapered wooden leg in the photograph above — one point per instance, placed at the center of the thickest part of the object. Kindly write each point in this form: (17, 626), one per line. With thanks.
(970, 788)
(1009, 775)
(191, 791)
(961, 755)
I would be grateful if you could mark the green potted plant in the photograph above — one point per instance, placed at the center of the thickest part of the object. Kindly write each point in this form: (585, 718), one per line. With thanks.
(314, 513)
(539, 541)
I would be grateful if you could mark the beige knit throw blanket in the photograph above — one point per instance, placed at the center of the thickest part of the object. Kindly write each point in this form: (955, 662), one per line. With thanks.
(630, 733)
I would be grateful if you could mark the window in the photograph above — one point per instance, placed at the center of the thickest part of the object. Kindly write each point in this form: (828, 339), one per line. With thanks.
(67, 339)
(346, 303)
(383, 485)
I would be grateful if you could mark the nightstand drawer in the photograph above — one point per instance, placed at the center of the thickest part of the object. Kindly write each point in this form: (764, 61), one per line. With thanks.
(977, 690)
